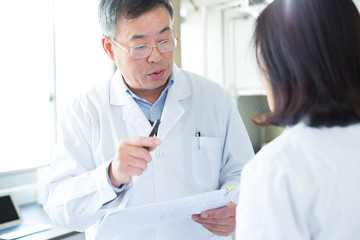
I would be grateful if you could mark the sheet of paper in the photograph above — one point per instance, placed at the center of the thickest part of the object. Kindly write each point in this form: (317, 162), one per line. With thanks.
(150, 215)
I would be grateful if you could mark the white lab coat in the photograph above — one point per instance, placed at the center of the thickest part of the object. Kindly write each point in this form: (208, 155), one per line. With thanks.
(92, 128)
(304, 185)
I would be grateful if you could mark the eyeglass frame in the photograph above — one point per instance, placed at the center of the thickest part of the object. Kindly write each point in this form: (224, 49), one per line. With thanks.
(152, 46)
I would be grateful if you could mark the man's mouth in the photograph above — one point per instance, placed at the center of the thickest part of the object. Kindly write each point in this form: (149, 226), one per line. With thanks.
(157, 74)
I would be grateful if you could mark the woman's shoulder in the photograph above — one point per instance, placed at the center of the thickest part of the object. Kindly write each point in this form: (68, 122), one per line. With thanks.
(309, 149)
(286, 151)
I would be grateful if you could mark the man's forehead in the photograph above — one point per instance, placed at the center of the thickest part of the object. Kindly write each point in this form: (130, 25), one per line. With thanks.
(143, 36)
(147, 25)
(132, 34)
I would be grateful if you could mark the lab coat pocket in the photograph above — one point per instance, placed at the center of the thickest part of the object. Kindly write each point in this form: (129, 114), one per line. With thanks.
(206, 160)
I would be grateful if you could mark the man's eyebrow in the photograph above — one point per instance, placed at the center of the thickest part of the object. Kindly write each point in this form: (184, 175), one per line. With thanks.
(167, 28)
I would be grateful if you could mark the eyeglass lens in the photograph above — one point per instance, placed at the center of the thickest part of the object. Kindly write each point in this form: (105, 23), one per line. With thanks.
(145, 50)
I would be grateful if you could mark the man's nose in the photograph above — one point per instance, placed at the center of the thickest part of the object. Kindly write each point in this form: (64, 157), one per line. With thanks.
(155, 55)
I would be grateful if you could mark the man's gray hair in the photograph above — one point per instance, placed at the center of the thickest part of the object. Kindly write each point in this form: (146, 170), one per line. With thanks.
(111, 10)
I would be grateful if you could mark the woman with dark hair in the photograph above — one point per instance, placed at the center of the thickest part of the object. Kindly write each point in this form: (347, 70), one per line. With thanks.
(306, 183)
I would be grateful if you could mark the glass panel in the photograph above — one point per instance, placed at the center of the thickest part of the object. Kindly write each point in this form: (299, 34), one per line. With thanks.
(81, 61)
(24, 84)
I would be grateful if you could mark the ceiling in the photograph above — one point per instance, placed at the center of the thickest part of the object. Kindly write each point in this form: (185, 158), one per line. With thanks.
(207, 3)
(201, 3)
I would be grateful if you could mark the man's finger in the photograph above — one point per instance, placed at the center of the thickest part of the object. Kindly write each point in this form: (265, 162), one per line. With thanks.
(216, 221)
(136, 152)
(223, 212)
(139, 163)
(149, 142)
(133, 171)
(217, 213)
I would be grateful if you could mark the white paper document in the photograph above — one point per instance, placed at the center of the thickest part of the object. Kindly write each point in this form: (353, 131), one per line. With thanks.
(150, 215)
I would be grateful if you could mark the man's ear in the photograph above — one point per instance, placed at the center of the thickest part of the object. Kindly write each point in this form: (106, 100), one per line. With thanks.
(107, 45)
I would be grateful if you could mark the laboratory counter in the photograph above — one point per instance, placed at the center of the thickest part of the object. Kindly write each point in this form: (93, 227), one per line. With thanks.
(35, 213)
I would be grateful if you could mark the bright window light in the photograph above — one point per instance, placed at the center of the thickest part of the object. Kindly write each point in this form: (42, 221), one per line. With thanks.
(35, 35)
(24, 84)
(81, 61)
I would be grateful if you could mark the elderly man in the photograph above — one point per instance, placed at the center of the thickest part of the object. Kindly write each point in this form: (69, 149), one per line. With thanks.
(201, 145)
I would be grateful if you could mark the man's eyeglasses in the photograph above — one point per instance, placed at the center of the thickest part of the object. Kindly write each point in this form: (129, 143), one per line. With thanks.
(143, 51)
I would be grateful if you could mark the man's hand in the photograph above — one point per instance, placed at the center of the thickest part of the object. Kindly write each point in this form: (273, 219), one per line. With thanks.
(219, 221)
(131, 159)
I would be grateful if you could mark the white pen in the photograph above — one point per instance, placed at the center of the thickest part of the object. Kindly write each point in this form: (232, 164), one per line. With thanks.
(198, 137)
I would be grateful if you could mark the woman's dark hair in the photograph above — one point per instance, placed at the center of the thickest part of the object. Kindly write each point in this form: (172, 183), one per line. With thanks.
(309, 51)
(111, 10)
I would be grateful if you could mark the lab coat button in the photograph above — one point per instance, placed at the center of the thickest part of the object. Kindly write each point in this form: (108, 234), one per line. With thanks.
(158, 153)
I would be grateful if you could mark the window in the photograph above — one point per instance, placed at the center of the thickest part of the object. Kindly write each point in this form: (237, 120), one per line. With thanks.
(51, 51)
(24, 85)
(81, 61)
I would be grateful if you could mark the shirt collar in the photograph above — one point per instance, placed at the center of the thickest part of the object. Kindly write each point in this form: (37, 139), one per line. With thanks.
(180, 87)
(164, 92)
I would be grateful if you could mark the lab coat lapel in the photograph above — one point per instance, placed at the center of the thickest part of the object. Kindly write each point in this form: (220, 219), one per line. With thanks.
(171, 114)
(137, 123)
(173, 110)
(135, 117)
